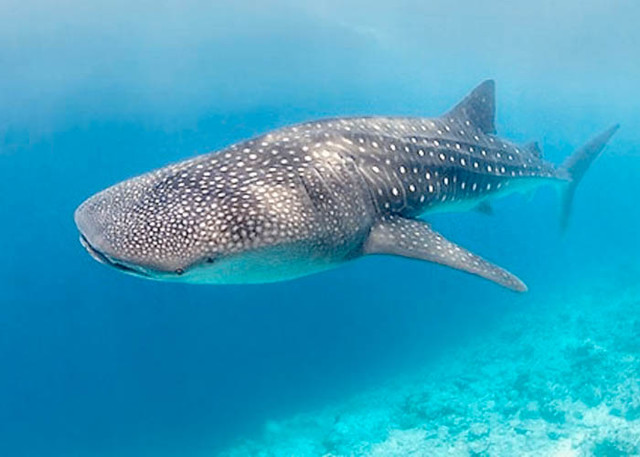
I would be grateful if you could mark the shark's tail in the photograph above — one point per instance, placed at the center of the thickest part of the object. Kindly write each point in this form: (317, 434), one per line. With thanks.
(576, 165)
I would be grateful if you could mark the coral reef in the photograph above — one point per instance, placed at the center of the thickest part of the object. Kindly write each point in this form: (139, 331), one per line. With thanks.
(561, 379)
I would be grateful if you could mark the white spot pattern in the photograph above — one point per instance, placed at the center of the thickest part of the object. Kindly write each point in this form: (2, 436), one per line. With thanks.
(317, 183)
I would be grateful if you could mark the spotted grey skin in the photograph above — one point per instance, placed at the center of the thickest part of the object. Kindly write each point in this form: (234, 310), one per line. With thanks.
(309, 197)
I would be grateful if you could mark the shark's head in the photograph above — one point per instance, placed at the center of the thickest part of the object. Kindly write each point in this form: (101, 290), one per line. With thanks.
(149, 226)
(193, 223)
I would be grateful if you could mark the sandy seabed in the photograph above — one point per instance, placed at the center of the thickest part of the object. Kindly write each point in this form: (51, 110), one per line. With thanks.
(561, 379)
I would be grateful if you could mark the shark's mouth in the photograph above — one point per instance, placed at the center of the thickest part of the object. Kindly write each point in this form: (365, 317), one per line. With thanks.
(108, 260)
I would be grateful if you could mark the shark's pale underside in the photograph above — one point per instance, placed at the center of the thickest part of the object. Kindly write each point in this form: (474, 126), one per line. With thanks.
(312, 196)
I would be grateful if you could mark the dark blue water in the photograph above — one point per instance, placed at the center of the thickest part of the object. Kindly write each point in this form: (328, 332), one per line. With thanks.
(96, 363)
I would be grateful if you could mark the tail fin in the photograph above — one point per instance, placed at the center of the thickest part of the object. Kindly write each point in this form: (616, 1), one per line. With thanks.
(576, 166)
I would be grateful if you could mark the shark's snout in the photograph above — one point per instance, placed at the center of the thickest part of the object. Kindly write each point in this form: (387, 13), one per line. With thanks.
(92, 237)
(91, 232)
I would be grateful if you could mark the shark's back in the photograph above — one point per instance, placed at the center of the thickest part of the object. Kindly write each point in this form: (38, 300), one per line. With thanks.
(414, 165)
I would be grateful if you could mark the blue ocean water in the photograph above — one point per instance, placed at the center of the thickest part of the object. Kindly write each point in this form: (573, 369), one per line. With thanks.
(97, 363)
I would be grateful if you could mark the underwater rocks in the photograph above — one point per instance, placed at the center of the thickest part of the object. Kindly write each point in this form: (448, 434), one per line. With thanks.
(559, 379)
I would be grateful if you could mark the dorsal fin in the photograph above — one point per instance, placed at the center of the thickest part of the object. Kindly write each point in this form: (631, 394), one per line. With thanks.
(478, 108)
(534, 148)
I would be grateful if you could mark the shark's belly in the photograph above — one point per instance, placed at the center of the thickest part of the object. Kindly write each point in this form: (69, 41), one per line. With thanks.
(264, 266)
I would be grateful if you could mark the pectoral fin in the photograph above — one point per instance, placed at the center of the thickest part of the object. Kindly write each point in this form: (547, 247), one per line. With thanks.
(415, 239)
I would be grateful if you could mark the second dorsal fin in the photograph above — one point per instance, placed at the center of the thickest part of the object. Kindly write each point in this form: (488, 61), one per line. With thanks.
(478, 108)
(533, 148)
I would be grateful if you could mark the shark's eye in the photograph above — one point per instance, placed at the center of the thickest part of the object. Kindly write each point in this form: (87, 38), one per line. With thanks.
(179, 271)
(212, 258)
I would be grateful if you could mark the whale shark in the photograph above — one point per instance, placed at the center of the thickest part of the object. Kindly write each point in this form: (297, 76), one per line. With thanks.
(312, 196)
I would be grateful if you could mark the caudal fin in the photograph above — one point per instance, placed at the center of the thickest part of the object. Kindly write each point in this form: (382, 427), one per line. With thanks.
(576, 165)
